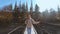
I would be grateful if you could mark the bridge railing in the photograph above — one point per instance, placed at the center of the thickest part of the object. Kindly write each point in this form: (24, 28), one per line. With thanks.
(15, 29)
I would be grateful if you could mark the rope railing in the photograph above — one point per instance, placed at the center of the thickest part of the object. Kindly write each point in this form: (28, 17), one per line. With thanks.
(15, 29)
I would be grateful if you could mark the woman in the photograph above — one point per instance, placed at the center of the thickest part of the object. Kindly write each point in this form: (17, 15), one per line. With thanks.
(29, 23)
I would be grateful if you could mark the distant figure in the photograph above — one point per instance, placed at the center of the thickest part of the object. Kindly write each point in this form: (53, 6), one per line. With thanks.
(29, 23)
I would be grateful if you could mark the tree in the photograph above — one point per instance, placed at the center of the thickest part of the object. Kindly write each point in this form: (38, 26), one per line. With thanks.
(58, 9)
(20, 7)
(58, 15)
(36, 8)
(16, 13)
(36, 12)
(7, 8)
(10, 7)
(23, 8)
(31, 8)
(45, 14)
(52, 15)
(26, 7)
(23, 13)
(52, 12)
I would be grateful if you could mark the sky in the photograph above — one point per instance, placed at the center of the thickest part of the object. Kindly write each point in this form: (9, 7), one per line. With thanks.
(43, 4)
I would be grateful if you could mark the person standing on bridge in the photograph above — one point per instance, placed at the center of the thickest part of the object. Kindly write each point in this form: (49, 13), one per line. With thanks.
(29, 23)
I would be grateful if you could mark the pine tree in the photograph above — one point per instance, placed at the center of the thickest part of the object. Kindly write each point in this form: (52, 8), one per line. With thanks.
(31, 8)
(58, 12)
(23, 8)
(15, 10)
(37, 13)
(36, 8)
(23, 12)
(58, 9)
(26, 7)
(16, 13)
(20, 7)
